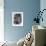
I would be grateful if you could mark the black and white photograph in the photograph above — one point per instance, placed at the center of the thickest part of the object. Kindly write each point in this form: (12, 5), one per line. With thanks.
(17, 18)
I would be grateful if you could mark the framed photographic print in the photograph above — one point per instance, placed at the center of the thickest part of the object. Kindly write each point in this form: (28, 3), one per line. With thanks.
(17, 18)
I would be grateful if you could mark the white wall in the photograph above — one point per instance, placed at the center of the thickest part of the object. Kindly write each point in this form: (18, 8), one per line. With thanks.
(1, 20)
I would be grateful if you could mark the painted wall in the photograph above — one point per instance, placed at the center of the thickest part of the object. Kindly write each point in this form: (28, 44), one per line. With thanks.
(28, 7)
(1, 21)
(43, 6)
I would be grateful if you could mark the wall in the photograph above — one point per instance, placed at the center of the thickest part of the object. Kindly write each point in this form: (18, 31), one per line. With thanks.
(1, 20)
(28, 7)
(43, 6)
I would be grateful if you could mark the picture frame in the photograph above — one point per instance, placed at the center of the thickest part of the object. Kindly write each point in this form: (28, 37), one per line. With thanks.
(17, 18)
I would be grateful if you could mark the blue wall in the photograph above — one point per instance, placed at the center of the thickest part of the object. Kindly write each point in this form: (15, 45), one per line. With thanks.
(43, 6)
(28, 7)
